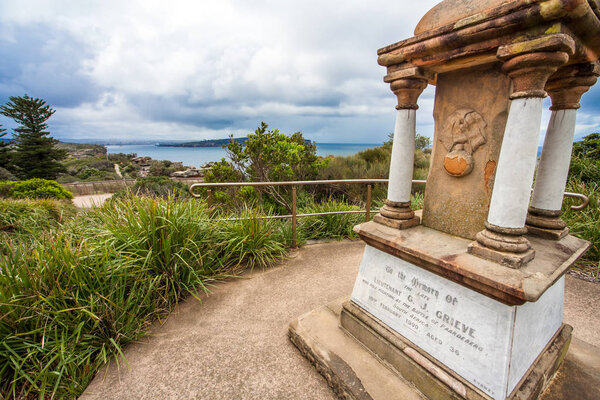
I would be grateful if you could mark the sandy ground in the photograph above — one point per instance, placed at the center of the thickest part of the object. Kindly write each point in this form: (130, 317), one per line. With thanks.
(234, 344)
(91, 200)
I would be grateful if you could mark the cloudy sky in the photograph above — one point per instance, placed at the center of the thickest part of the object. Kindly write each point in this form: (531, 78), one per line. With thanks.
(158, 70)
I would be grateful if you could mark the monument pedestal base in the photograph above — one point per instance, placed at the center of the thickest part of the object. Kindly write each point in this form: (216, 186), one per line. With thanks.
(453, 325)
(367, 360)
(378, 363)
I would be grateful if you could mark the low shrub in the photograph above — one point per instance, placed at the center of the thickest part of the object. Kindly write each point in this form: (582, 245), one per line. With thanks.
(91, 172)
(71, 299)
(33, 216)
(370, 163)
(586, 223)
(333, 226)
(251, 240)
(6, 175)
(585, 169)
(35, 188)
(158, 186)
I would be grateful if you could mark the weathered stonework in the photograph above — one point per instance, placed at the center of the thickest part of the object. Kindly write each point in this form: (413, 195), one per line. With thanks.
(468, 304)
(354, 373)
(465, 131)
(460, 206)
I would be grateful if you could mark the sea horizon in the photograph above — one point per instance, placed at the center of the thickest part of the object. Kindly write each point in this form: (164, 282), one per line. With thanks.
(198, 156)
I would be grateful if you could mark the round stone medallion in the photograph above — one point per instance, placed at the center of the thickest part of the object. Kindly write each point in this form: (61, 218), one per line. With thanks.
(458, 163)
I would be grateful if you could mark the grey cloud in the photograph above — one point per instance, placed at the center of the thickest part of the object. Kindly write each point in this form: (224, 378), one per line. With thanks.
(118, 70)
(45, 62)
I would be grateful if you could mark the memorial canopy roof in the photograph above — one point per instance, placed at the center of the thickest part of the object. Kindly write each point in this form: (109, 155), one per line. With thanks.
(458, 34)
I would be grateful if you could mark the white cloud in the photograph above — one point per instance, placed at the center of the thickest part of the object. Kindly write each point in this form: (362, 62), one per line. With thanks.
(206, 69)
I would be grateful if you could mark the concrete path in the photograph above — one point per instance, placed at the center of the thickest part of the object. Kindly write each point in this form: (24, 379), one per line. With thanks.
(92, 200)
(234, 344)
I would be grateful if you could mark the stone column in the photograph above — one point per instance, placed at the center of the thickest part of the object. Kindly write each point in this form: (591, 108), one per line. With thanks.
(396, 212)
(565, 88)
(503, 238)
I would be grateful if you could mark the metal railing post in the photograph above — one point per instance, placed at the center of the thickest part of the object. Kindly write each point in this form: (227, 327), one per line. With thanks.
(294, 237)
(368, 210)
(209, 197)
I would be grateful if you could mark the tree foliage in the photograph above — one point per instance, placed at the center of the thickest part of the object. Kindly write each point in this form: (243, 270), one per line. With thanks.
(35, 154)
(421, 142)
(585, 163)
(269, 156)
(588, 147)
(4, 150)
(223, 171)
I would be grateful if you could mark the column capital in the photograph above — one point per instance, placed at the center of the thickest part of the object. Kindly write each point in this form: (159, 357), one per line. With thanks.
(529, 72)
(569, 83)
(530, 63)
(408, 84)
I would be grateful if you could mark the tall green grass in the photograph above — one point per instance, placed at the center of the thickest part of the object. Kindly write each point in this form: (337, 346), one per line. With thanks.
(250, 240)
(334, 226)
(71, 298)
(31, 216)
(586, 223)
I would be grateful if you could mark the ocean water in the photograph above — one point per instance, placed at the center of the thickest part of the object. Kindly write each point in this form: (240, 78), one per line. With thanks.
(198, 156)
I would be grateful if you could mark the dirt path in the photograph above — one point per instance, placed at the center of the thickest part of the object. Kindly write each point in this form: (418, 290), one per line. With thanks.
(92, 200)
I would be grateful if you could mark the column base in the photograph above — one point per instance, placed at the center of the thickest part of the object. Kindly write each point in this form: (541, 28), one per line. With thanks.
(545, 233)
(512, 260)
(506, 246)
(397, 223)
(546, 224)
(397, 215)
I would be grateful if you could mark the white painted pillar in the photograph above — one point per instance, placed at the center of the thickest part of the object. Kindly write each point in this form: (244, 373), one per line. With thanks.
(403, 154)
(516, 164)
(553, 169)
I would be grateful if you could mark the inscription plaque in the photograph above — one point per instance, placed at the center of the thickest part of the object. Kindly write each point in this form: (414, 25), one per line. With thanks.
(468, 332)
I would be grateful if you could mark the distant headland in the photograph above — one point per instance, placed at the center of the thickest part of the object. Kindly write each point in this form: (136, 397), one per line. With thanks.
(203, 143)
(210, 143)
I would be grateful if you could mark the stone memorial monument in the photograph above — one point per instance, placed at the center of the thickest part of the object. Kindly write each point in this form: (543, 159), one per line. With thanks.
(464, 300)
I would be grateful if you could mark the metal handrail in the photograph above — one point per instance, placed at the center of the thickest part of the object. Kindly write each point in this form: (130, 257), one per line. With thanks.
(584, 199)
(290, 183)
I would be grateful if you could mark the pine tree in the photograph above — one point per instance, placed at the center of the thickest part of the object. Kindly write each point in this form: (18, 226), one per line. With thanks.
(35, 154)
(5, 157)
(4, 150)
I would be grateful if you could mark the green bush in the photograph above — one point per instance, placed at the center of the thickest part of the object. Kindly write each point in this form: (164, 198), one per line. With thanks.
(89, 172)
(252, 241)
(71, 299)
(588, 147)
(585, 169)
(33, 216)
(586, 223)
(6, 175)
(35, 188)
(371, 163)
(159, 186)
(334, 226)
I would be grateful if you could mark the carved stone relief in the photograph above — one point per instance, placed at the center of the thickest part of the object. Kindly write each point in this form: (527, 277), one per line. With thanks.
(464, 133)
